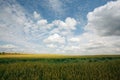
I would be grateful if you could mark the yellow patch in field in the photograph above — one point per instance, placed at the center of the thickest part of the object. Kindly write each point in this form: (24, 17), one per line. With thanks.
(32, 56)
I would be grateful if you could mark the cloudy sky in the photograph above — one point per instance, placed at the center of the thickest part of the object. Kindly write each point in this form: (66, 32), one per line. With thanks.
(81, 27)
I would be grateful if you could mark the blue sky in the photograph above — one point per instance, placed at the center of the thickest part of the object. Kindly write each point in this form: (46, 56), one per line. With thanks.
(72, 8)
(81, 27)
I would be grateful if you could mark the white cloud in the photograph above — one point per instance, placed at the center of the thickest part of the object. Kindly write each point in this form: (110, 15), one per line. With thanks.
(75, 39)
(69, 24)
(55, 38)
(15, 27)
(8, 46)
(42, 22)
(55, 30)
(72, 48)
(51, 46)
(36, 15)
(58, 36)
(9, 22)
(92, 44)
(56, 6)
(105, 20)
(24, 32)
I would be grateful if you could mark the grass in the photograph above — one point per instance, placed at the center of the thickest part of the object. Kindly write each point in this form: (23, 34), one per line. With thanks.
(59, 67)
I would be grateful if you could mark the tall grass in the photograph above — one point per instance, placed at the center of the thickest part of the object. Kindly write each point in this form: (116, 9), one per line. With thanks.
(107, 68)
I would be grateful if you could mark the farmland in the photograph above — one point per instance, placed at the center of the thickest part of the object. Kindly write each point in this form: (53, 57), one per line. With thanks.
(59, 67)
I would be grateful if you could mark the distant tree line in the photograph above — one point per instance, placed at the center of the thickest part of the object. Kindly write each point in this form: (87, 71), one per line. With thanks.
(4, 53)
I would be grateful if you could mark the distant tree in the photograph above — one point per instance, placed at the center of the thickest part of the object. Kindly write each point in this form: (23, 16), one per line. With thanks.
(2, 53)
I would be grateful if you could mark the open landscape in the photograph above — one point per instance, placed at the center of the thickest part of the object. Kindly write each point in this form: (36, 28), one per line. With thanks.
(59, 67)
(59, 39)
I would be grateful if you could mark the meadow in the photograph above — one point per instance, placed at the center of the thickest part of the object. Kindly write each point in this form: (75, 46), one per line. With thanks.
(59, 67)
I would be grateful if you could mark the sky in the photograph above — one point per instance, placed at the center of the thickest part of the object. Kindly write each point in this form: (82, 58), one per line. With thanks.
(81, 27)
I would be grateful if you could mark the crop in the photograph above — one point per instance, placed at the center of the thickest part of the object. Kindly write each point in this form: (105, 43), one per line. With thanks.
(67, 68)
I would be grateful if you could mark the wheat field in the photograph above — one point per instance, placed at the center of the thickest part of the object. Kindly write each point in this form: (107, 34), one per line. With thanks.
(59, 67)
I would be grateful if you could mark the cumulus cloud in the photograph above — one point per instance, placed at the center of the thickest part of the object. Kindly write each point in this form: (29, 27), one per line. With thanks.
(72, 48)
(17, 28)
(102, 30)
(42, 22)
(55, 38)
(39, 35)
(105, 20)
(51, 45)
(74, 39)
(36, 15)
(69, 23)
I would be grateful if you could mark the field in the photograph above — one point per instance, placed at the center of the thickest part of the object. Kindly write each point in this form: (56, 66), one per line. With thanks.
(59, 67)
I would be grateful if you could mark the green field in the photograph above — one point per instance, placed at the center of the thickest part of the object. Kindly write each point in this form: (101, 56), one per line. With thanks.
(59, 67)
